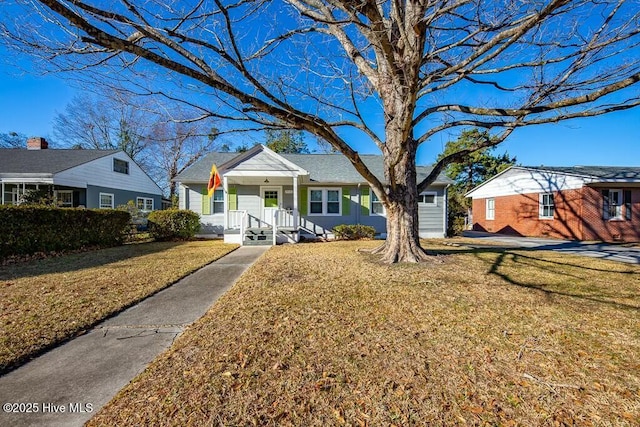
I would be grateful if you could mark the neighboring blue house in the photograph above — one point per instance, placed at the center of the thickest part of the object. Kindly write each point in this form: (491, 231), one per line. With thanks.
(86, 178)
(268, 197)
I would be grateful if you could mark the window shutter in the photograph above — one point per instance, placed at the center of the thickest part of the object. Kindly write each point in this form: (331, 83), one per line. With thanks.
(206, 202)
(302, 201)
(364, 200)
(346, 201)
(232, 198)
(605, 204)
(627, 204)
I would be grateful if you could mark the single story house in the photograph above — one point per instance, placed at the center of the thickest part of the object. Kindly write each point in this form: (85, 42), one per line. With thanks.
(266, 197)
(77, 178)
(578, 203)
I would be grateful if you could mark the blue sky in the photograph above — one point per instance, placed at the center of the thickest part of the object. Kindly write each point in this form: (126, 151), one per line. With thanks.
(29, 102)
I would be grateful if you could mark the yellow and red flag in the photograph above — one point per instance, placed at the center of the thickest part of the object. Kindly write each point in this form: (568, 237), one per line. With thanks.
(214, 180)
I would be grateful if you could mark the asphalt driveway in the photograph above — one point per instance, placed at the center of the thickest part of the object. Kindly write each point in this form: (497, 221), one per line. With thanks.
(609, 251)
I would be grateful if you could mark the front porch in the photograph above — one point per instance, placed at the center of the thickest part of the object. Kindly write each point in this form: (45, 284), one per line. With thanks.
(261, 196)
(245, 229)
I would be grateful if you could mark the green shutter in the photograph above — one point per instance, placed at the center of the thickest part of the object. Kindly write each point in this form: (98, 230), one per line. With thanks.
(206, 202)
(232, 198)
(302, 201)
(364, 200)
(346, 201)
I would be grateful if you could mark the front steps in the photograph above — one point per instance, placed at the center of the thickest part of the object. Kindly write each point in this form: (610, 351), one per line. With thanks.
(258, 236)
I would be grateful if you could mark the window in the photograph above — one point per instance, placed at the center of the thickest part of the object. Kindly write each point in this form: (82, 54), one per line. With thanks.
(491, 208)
(144, 203)
(64, 198)
(546, 206)
(120, 166)
(612, 204)
(315, 202)
(325, 201)
(218, 202)
(106, 201)
(376, 205)
(427, 198)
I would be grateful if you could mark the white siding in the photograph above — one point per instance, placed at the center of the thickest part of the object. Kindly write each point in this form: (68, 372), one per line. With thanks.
(100, 173)
(523, 181)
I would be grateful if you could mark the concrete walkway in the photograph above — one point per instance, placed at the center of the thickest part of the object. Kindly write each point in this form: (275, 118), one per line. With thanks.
(608, 251)
(67, 385)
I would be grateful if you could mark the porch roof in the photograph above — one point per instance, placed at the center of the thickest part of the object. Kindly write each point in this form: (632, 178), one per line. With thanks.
(322, 168)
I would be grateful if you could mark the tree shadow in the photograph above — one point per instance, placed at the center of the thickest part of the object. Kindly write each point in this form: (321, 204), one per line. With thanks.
(514, 257)
(68, 263)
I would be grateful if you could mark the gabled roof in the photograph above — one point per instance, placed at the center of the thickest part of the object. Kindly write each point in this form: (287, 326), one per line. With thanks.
(600, 173)
(49, 161)
(322, 168)
(553, 178)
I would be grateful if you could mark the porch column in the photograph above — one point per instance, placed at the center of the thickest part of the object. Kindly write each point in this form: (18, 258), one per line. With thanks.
(2, 194)
(225, 186)
(295, 200)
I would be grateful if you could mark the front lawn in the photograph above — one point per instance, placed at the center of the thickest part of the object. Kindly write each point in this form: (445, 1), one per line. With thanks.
(46, 301)
(319, 334)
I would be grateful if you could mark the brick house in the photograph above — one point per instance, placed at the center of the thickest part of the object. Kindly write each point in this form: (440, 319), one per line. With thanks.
(578, 203)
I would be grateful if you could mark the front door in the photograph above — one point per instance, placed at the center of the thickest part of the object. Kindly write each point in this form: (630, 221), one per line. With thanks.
(271, 202)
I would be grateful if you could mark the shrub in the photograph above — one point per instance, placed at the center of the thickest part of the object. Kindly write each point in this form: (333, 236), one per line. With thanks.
(354, 232)
(173, 224)
(27, 229)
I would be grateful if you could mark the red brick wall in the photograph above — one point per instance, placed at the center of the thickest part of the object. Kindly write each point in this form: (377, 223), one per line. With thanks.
(519, 214)
(597, 228)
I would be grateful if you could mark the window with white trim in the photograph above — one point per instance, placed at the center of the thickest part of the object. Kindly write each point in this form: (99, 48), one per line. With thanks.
(325, 201)
(547, 206)
(491, 208)
(428, 198)
(377, 208)
(121, 166)
(64, 198)
(144, 203)
(217, 202)
(106, 201)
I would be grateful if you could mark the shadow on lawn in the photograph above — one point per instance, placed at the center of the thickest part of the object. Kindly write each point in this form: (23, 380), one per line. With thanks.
(517, 257)
(79, 261)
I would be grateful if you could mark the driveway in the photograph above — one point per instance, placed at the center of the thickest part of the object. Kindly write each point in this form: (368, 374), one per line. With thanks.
(609, 251)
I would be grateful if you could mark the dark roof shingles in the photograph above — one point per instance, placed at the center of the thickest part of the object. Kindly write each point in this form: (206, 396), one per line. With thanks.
(49, 161)
(334, 168)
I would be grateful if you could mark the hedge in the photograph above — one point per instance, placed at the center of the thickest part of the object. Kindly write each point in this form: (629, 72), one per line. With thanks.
(354, 232)
(28, 229)
(173, 224)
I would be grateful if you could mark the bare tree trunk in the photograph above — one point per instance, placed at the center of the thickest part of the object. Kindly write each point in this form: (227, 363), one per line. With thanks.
(403, 240)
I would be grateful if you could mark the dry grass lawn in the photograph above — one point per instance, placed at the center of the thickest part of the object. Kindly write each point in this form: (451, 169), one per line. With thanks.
(319, 334)
(45, 302)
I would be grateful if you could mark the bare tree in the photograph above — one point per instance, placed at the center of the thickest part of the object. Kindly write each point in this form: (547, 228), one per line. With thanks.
(398, 72)
(106, 122)
(13, 140)
(174, 144)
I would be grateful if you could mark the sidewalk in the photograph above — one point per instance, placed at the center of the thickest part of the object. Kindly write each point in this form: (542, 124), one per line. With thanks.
(67, 385)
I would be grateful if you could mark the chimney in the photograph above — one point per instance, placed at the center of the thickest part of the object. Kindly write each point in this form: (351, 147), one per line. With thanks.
(37, 143)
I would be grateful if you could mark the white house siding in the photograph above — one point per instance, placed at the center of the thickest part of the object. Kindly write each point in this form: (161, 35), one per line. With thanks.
(100, 173)
(191, 198)
(524, 181)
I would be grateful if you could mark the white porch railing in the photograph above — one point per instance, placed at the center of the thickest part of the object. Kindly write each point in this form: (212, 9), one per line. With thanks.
(236, 219)
(285, 218)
